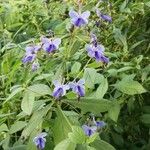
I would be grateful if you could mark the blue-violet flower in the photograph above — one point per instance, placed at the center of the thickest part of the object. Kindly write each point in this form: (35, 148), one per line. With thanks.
(50, 45)
(104, 16)
(93, 39)
(97, 52)
(100, 124)
(79, 19)
(89, 130)
(35, 66)
(30, 54)
(78, 87)
(40, 140)
(59, 90)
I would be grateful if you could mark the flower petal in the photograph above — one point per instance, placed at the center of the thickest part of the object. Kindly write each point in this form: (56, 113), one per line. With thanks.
(29, 49)
(35, 66)
(57, 42)
(100, 124)
(56, 83)
(80, 22)
(81, 81)
(43, 134)
(72, 85)
(100, 48)
(37, 48)
(44, 40)
(106, 17)
(85, 14)
(58, 92)
(73, 14)
(104, 59)
(66, 87)
(90, 51)
(80, 90)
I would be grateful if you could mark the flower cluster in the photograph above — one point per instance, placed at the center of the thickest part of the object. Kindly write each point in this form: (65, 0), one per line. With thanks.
(94, 50)
(30, 56)
(48, 45)
(60, 89)
(91, 129)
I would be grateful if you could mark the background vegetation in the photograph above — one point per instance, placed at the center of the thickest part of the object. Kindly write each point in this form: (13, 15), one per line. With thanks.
(116, 93)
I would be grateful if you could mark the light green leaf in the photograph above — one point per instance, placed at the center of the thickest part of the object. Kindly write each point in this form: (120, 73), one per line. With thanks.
(27, 102)
(75, 46)
(102, 89)
(130, 87)
(65, 145)
(17, 126)
(3, 128)
(75, 68)
(84, 147)
(92, 138)
(92, 105)
(114, 111)
(120, 38)
(147, 4)
(44, 76)
(36, 120)
(102, 145)
(61, 127)
(124, 69)
(40, 89)
(90, 76)
(16, 91)
(77, 135)
(19, 147)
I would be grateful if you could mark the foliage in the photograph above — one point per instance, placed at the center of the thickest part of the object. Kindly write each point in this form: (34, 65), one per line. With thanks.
(116, 92)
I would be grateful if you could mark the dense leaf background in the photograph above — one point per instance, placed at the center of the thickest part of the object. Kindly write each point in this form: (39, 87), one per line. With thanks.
(117, 93)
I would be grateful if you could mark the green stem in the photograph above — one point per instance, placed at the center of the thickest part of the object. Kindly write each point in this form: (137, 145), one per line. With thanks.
(82, 69)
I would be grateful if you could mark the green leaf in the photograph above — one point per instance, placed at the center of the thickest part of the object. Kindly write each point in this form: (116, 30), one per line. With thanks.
(91, 105)
(16, 91)
(130, 87)
(90, 148)
(60, 28)
(40, 89)
(44, 76)
(90, 76)
(102, 145)
(102, 89)
(145, 118)
(92, 138)
(147, 4)
(19, 147)
(36, 120)
(65, 145)
(75, 68)
(84, 147)
(114, 111)
(75, 46)
(61, 126)
(3, 128)
(77, 135)
(17, 126)
(27, 102)
(120, 38)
